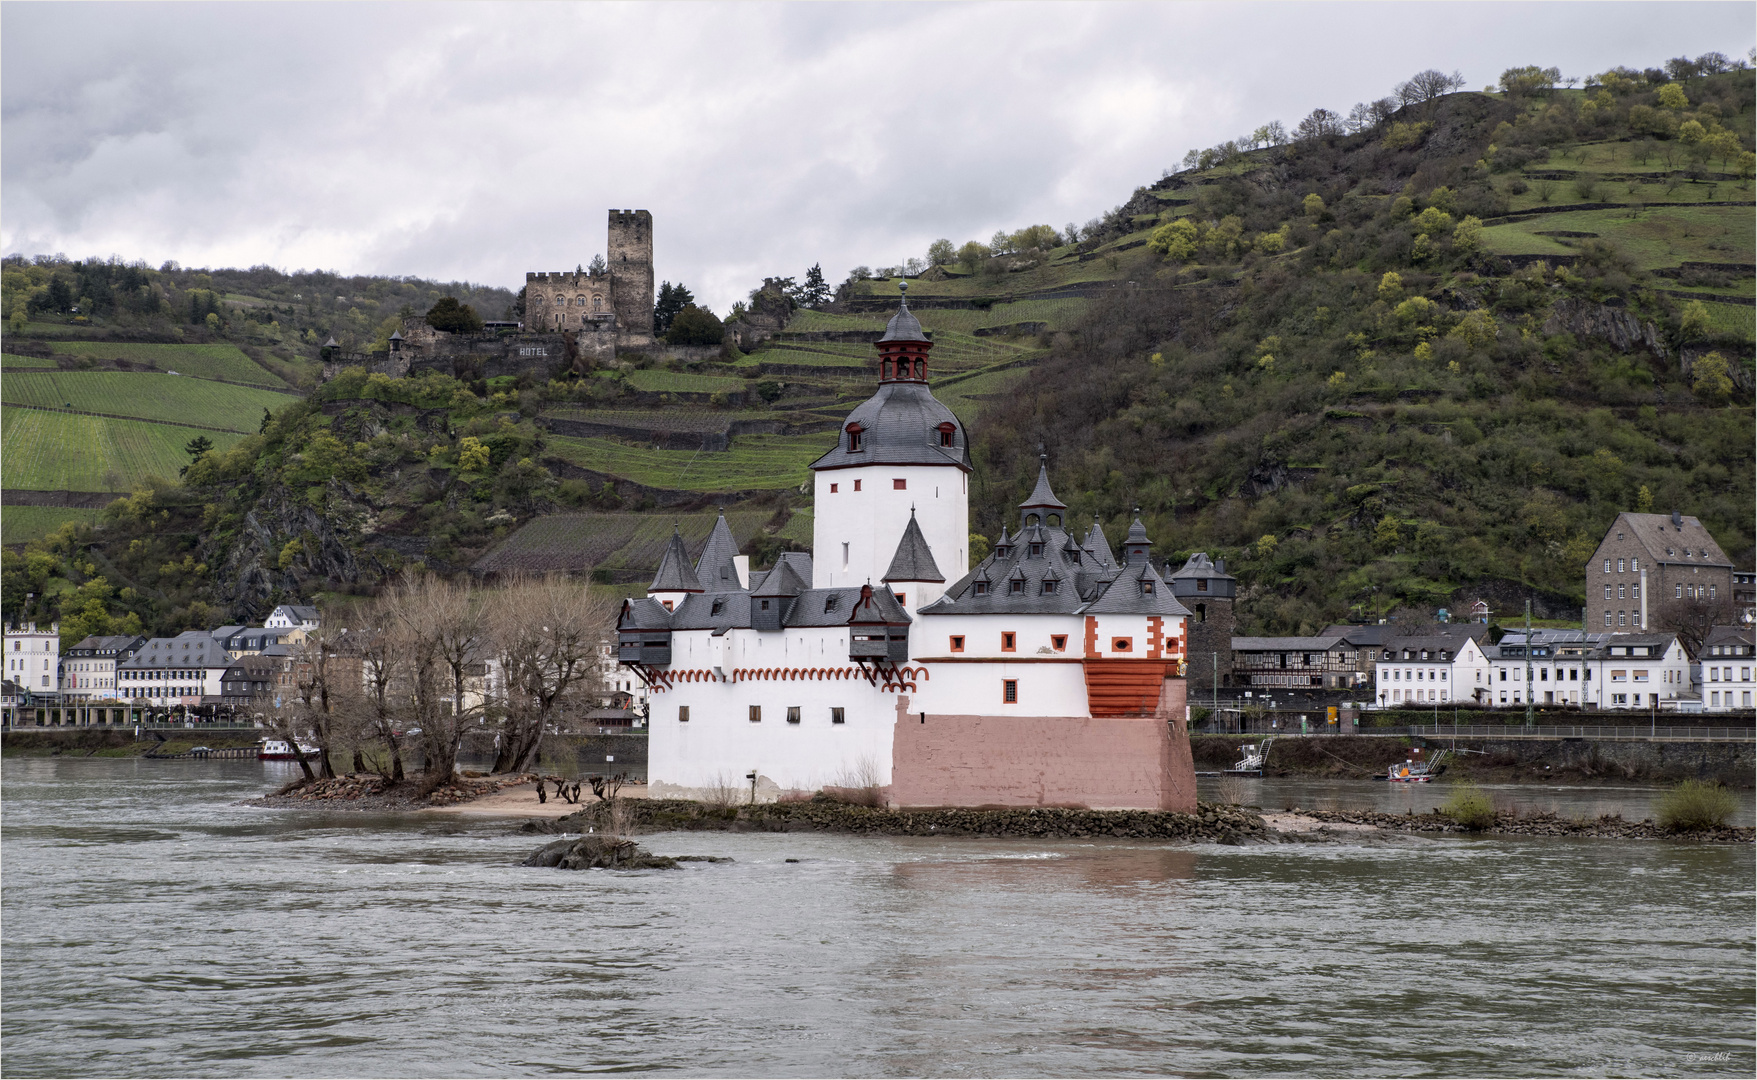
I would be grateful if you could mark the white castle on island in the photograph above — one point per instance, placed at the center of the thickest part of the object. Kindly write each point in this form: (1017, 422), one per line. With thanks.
(1048, 674)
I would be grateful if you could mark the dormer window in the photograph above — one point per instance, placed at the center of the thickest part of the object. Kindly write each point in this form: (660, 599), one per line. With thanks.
(718, 605)
(947, 430)
(982, 588)
(1049, 585)
(1016, 586)
(855, 434)
(1146, 588)
(830, 603)
(1036, 550)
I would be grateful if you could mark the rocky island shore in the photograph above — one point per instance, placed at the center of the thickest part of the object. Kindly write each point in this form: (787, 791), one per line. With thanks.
(1212, 823)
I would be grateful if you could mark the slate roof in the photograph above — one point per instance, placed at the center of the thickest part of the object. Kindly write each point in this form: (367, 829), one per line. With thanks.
(1050, 553)
(1719, 635)
(1097, 546)
(1666, 540)
(1041, 497)
(783, 580)
(800, 562)
(714, 570)
(732, 611)
(1200, 565)
(675, 574)
(904, 326)
(104, 646)
(192, 648)
(1450, 642)
(1284, 644)
(914, 559)
(900, 426)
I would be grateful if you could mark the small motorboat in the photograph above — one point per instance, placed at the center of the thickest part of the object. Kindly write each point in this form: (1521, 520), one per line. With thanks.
(1416, 769)
(282, 750)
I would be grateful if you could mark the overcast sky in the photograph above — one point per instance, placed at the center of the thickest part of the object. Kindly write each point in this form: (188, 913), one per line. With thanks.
(479, 141)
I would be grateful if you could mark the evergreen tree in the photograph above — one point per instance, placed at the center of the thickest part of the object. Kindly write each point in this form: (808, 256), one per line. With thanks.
(449, 315)
(672, 299)
(816, 291)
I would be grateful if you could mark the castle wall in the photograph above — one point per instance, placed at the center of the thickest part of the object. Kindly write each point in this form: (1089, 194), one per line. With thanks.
(1099, 763)
(576, 301)
(1209, 638)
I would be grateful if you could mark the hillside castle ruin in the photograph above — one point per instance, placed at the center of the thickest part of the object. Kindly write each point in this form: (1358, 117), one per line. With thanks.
(571, 318)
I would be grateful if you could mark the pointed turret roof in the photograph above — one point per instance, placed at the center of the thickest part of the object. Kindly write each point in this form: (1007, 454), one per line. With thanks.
(914, 559)
(904, 326)
(715, 568)
(1136, 544)
(1042, 498)
(674, 573)
(1097, 546)
(331, 343)
(1137, 532)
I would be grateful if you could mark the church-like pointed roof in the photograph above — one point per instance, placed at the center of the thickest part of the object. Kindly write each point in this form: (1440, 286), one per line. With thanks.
(1097, 546)
(904, 326)
(1136, 545)
(1042, 498)
(914, 559)
(1137, 533)
(715, 568)
(674, 573)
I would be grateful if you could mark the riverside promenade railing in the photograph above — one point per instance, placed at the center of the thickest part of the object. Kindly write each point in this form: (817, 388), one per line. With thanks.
(1642, 733)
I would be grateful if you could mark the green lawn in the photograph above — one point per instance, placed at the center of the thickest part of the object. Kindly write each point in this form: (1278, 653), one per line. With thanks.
(63, 452)
(13, 360)
(1654, 238)
(203, 361)
(21, 523)
(755, 462)
(147, 396)
(677, 382)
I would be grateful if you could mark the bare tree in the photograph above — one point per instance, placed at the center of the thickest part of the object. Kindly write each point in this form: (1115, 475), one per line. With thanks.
(1691, 618)
(1320, 123)
(546, 633)
(438, 642)
(382, 709)
(281, 714)
(321, 692)
(1425, 87)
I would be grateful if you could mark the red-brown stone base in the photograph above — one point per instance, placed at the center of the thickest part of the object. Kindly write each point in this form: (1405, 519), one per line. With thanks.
(1096, 763)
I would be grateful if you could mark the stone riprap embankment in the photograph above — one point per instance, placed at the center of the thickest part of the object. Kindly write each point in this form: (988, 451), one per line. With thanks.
(1611, 826)
(369, 791)
(1210, 824)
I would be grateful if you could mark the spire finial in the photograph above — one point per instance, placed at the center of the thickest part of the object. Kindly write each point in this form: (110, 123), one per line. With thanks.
(903, 291)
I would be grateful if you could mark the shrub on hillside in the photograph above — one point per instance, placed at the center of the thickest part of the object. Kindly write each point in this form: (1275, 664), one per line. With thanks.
(1470, 806)
(694, 326)
(453, 317)
(1695, 805)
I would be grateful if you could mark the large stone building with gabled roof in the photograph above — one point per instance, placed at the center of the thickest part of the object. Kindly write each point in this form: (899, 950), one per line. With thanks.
(1646, 560)
(1048, 673)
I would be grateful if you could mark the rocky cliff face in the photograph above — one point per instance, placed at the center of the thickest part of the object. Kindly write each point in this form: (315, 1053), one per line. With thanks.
(1607, 322)
(261, 559)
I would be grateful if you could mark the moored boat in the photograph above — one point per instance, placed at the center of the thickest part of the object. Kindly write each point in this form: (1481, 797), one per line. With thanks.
(1415, 769)
(282, 750)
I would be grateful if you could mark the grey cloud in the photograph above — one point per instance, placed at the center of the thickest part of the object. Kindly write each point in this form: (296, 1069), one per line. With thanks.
(481, 141)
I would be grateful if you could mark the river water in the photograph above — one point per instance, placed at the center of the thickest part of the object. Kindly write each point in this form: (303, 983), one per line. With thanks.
(151, 927)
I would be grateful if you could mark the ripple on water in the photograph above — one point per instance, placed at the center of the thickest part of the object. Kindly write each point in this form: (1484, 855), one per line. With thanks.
(152, 927)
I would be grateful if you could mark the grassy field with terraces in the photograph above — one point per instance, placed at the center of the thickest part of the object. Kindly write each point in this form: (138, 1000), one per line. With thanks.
(144, 396)
(58, 451)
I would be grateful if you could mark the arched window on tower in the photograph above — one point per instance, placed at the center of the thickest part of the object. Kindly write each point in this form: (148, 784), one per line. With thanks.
(884, 369)
(855, 431)
(920, 369)
(947, 430)
(597, 302)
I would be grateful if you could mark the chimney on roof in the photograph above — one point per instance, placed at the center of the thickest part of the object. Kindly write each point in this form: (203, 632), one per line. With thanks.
(1677, 520)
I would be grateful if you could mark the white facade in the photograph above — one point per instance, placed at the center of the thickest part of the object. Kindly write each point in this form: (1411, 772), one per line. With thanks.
(33, 657)
(860, 513)
(1727, 685)
(1596, 671)
(1433, 676)
(293, 617)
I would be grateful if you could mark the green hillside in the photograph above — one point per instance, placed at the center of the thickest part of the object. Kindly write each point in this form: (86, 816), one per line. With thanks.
(1376, 375)
(58, 451)
(145, 396)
